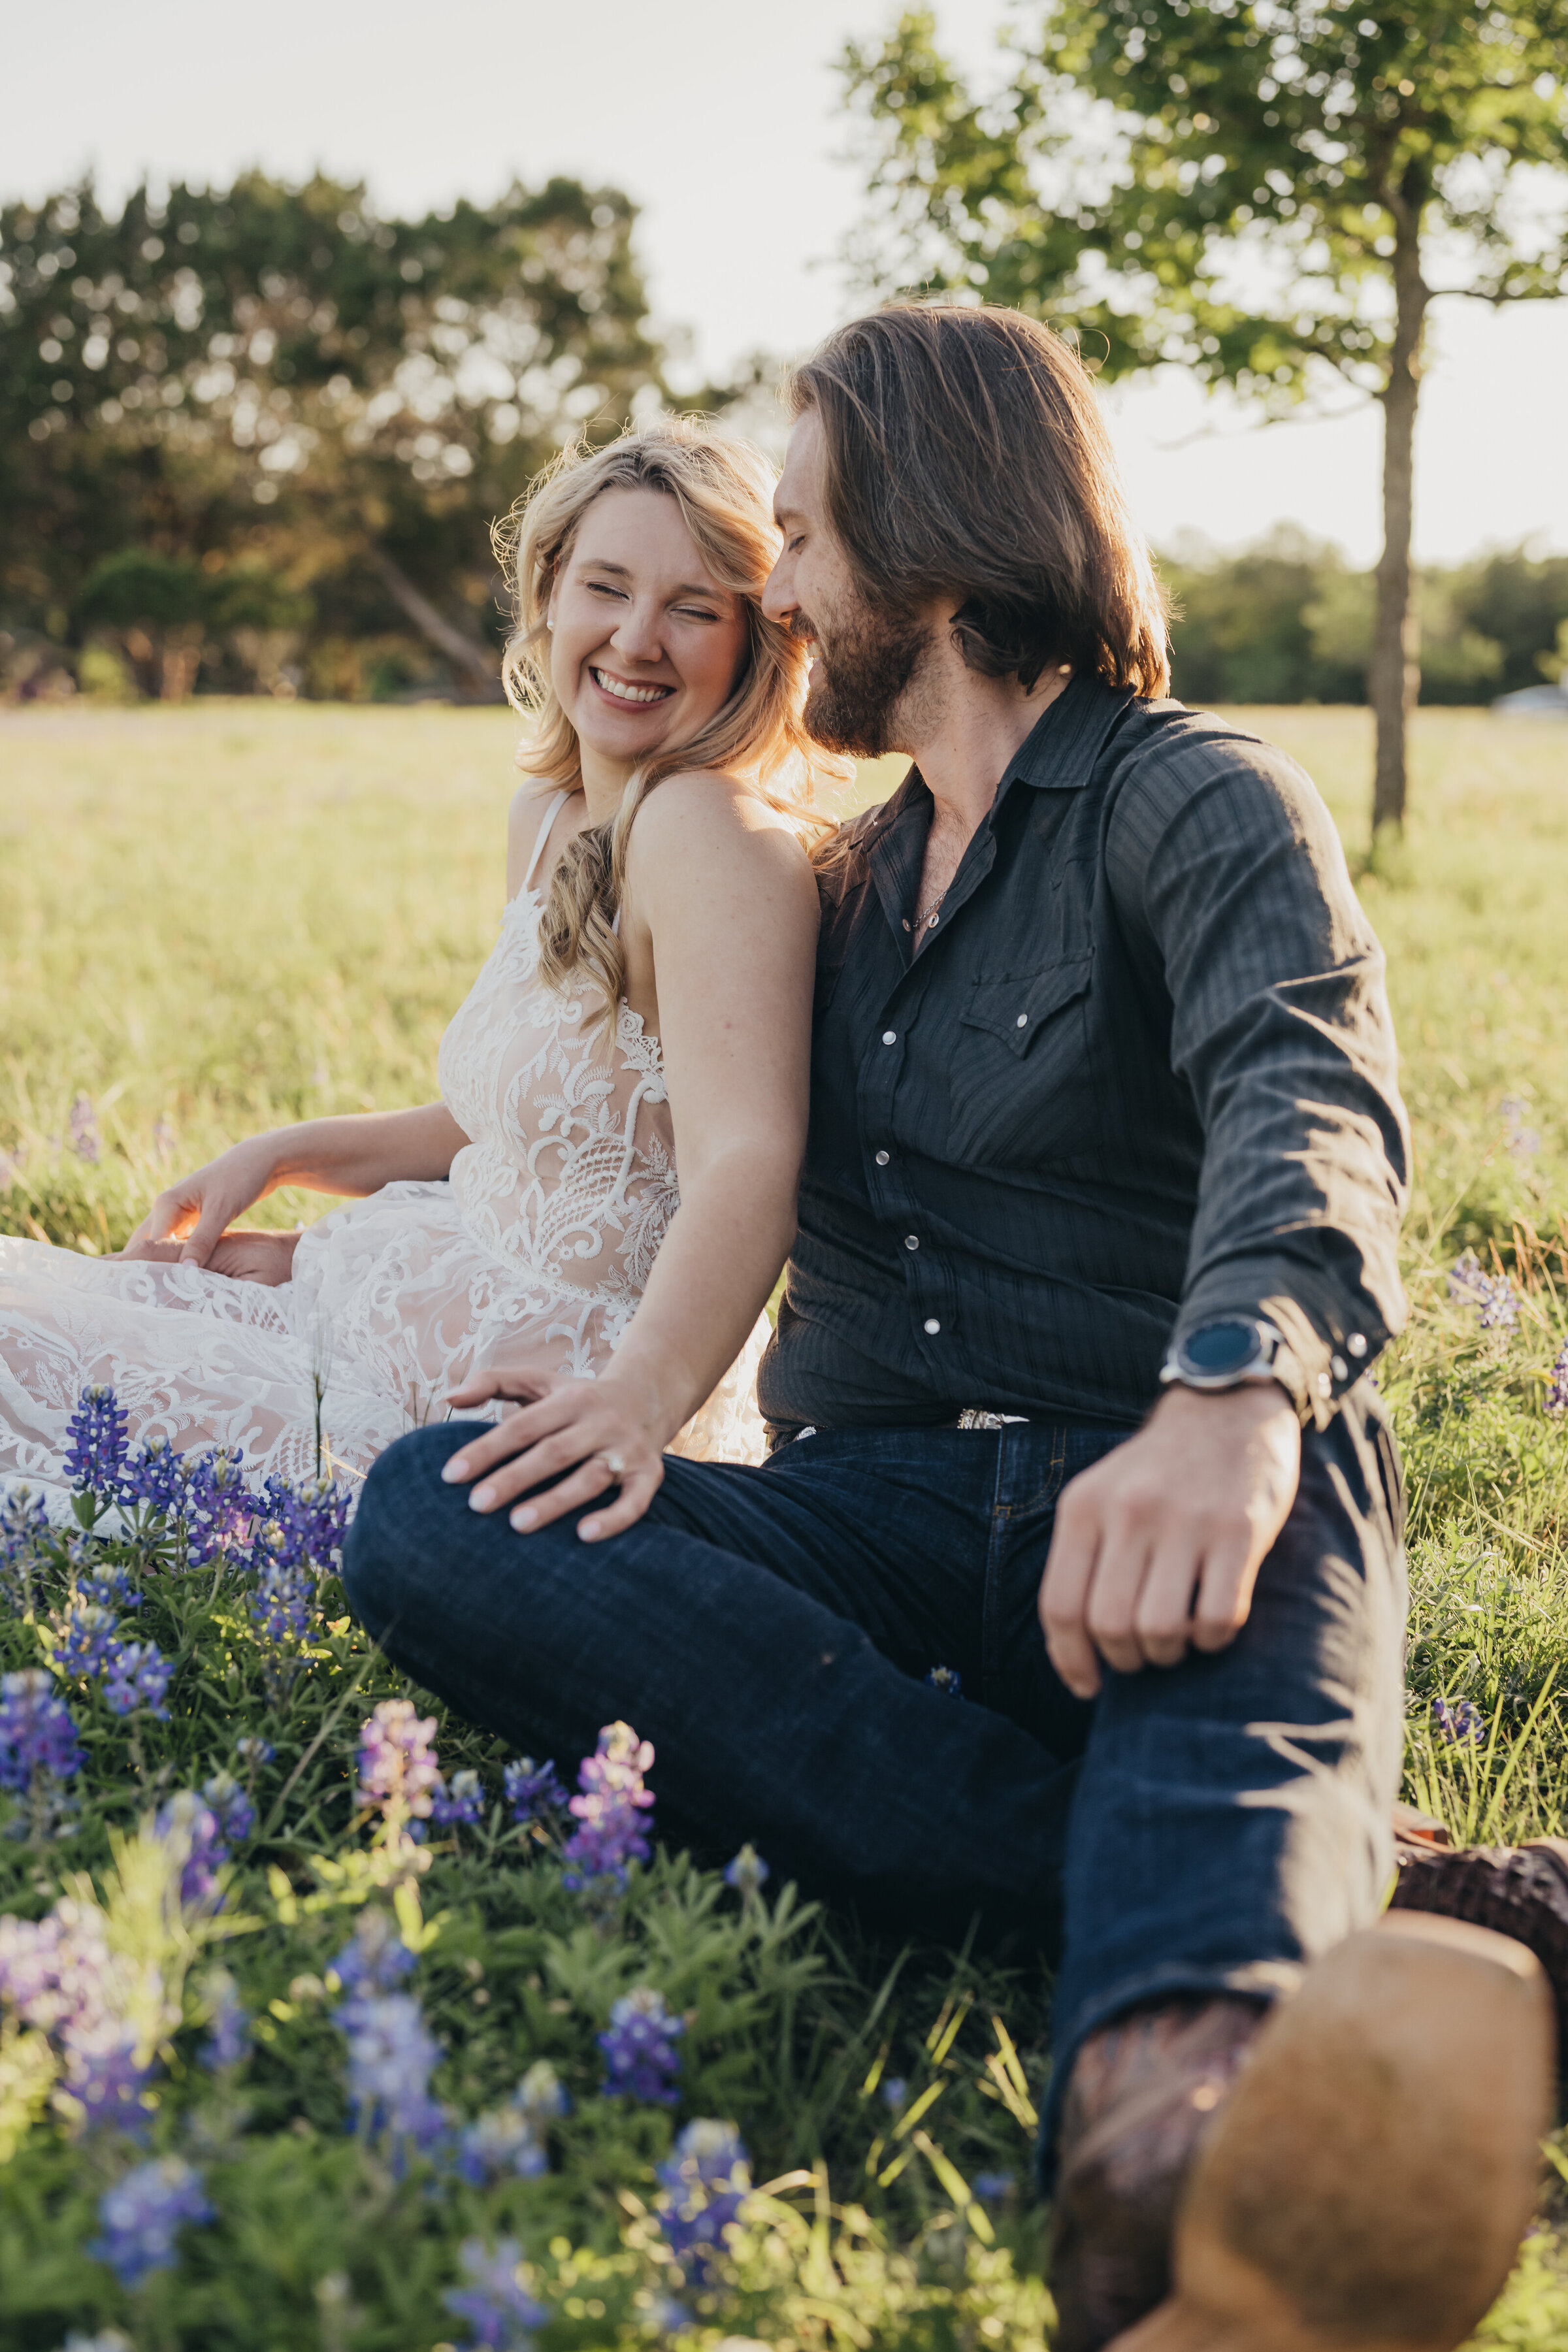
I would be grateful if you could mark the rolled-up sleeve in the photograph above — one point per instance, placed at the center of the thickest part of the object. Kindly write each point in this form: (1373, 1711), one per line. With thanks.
(1226, 867)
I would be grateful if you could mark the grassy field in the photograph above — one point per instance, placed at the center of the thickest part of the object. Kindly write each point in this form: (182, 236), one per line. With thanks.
(225, 916)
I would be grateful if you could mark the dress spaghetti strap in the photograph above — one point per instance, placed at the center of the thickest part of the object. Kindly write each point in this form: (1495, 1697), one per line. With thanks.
(557, 803)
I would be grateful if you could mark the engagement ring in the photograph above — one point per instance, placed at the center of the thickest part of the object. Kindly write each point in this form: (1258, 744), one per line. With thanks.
(615, 1464)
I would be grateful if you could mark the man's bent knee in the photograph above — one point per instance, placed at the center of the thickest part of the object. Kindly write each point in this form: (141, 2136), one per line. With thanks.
(389, 1531)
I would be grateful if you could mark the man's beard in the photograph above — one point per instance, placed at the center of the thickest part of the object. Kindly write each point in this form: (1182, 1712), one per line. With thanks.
(861, 682)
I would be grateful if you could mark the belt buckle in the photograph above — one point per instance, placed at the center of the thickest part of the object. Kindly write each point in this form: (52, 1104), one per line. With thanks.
(972, 1418)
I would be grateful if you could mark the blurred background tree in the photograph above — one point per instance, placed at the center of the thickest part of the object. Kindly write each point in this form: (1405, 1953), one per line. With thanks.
(259, 434)
(1268, 192)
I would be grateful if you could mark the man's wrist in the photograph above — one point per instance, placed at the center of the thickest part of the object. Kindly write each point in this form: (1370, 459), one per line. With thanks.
(1233, 1351)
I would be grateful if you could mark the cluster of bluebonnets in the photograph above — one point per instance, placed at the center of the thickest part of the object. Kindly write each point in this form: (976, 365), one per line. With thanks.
(96, 2021)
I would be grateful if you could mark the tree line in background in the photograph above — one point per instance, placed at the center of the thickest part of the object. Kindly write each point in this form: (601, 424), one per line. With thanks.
(254, 438)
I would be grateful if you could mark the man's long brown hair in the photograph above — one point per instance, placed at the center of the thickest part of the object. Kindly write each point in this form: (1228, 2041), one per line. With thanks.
(966, 457)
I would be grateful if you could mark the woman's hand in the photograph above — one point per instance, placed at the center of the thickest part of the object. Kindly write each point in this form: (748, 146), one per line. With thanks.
(245, 1253)
(198, 1211)
(612, 1428)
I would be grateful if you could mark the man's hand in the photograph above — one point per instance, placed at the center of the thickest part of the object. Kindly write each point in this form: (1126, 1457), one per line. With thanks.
(1160, 1544)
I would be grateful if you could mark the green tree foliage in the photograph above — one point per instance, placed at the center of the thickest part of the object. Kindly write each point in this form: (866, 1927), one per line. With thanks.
(1289, 620)
(275, 382)
(1260, 191)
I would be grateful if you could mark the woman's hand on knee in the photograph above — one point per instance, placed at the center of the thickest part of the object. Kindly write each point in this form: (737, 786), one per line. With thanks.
(587, 1436)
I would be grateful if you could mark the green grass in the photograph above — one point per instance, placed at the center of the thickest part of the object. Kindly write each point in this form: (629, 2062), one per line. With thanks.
(220, 917)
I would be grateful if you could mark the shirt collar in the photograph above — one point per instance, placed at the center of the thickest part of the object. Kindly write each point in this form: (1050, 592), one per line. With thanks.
(1057, 755)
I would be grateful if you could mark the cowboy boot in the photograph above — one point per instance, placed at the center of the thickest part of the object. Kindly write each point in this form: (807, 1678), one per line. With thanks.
(1518, 1891)
(1366, 2184)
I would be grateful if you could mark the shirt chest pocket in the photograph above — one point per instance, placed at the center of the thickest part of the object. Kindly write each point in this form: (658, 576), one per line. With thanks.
(1021, 1082)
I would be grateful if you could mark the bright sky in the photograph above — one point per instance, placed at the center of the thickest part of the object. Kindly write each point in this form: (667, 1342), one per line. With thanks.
(725, 120)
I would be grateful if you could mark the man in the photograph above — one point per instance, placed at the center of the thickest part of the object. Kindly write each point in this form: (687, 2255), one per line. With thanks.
(1096, 1250)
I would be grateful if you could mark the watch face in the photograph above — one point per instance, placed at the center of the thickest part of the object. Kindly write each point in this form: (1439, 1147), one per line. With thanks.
(1215, 1349)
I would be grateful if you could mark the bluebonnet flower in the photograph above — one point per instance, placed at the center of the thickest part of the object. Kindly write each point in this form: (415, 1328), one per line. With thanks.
(281, 1604)
(398, 1760)
(234, 1813)
(948, 1680)
(610, 1833)
(994, 2187)
(214, 1503)
(514, 2138)
(107, 1585)
(253, 1752)
(154, 1476)
(1469, 1283)
(96, 1454)
(375, 1959)
(641, 2061)
(748, 1873)
(1458, 1721)
(58, 1974)
(460, 1803)
(532, 1790)
(228, 2028)
(137, 1675)
(895, 2090)
(86, 1142)
(1557, 1386)
(392, 2055)
(305, 1521)
(138, 2217)
(495, 2303)
(184, 1816)
(36, 1734)
(24, 1540)
(85, 1641)
(705, 2180)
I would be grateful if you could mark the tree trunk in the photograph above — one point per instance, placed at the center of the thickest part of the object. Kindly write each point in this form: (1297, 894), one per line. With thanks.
(1393, 675)
(469, 655)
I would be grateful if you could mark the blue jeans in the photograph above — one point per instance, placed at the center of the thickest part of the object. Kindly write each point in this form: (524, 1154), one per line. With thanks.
(1200, 1829)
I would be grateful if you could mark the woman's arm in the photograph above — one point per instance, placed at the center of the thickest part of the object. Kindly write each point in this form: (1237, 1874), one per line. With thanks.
(351, 1156)
(725, 895)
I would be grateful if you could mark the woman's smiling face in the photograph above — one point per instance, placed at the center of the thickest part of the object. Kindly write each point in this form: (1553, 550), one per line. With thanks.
(645, 647)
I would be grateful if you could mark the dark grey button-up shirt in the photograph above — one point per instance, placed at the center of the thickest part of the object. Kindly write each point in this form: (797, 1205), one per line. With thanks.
(1141, 1074)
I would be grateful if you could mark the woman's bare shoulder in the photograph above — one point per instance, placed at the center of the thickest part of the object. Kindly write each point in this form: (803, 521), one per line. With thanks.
(700, 805)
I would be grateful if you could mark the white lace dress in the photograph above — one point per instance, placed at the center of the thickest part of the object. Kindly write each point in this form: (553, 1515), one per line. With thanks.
(539, 1243)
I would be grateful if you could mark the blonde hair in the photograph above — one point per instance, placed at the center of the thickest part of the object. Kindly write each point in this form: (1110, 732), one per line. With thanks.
(723, 488)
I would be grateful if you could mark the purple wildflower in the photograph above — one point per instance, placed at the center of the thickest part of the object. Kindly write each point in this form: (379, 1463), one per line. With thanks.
(1469, 1283)
(1458, 1721)
(392, 2055)
(376, 1960)
(24, 1537)
(641, 2061)
(514, 2138)
(215, 1503)
(495, 2303)
(281, 1604)
(611, 1835)
(154, 1476)
(532, 1790)
(1557, 1388)
(58, 1973)
(398, 1760)
(107, 1586)
(36, 1734)
(229, 2040)
(994, 2187)
(137, 1675)
(139, 2216)
(748, 1873)
(948, 1680)
(86, 1642)
(895, 2090)
(97, 1455)
(458, 1803)
(305, 1521)
(705, 2180)
(186, 1817)
(86, 1142)
(234, 1813)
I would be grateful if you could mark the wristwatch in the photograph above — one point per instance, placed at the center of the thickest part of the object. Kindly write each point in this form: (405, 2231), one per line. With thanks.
(1227, 1354)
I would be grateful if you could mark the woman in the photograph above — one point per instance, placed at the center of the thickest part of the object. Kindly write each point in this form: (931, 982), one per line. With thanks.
(651, 988)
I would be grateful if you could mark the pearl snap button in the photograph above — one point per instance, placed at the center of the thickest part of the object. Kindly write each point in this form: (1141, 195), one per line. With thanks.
(1356, 1344)
(911, 1241)
(881, 1159)
(1340, 1369)
(932, 1325)
(1023, 1020)
(890, 1036)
